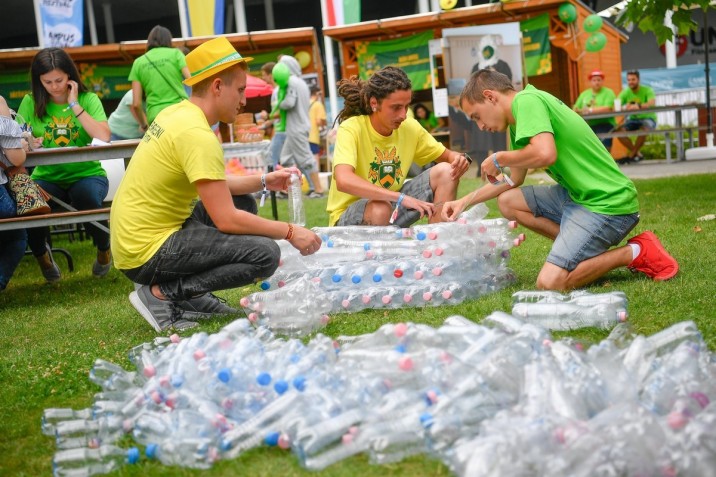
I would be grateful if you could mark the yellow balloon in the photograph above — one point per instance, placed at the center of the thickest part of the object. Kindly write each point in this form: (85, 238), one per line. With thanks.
(303, 58)
(448, 4)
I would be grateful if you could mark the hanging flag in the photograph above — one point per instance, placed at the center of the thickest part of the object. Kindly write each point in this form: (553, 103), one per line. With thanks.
(411, 54)
(536, 46)
(205, 18)
(342, 12)
(62, 22)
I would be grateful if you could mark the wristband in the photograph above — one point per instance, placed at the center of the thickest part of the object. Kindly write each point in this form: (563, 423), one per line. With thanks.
(264, 192)
(494, 161)
(71, 105)
(289, 234)
(81, 112)
(394, 215)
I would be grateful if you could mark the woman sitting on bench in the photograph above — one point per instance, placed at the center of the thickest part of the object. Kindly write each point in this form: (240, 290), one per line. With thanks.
(62, 112)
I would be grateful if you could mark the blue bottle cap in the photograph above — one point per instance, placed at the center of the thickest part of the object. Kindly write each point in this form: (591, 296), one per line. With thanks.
(336, 278)
(421, 236)
(426, 420)
(299, 382)
(272, 439)
(329, 243)
(224, 375)
(377, 277)
(355, 279)
(400, 348)
(151, 451)
(280, 386)
(177, 380)
(295, 358)
(265, 285)
(225, 445)
(264, 379)
(366, 246)
(132, 455)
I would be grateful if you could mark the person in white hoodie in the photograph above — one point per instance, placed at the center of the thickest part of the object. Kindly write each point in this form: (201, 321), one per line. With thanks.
(297, 150)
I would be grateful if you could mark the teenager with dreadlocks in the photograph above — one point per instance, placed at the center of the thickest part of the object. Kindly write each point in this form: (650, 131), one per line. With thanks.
(375, 146)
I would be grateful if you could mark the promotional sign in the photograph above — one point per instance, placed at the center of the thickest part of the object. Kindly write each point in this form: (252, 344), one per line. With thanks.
(61, 22)
(535, 43)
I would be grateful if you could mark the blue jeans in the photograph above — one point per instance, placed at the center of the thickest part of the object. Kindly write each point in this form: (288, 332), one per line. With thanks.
(87, 193)
(603, 128)
(583, 234)
(199, 258)
(12, 249)
(8, 208)
(277, 141)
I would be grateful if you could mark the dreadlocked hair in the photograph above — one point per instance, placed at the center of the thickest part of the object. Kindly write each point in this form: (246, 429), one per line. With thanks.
(356, 93)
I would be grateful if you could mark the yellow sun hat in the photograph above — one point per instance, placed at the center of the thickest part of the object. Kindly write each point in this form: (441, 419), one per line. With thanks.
(210, 58)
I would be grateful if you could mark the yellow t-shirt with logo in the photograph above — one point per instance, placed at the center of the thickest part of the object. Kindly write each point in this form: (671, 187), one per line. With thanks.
(157, 192)
(381, 160)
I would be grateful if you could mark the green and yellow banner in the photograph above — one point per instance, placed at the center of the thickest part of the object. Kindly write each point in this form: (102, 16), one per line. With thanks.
(536, 46)
(411, 54)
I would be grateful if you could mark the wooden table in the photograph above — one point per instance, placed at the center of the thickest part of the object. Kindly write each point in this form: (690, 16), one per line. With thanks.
(64, 155)
(678, 128)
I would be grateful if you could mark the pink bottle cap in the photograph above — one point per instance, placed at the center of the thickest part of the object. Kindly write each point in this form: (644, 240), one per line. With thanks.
(149, 371)
(284, 442)
(325, 319)
(346, 303)
(447, 294)
(522, 237)
(253, 317)
(516, 242)
(439, 251)
(282, 283)
(482, 229)
(156, 397)
(400, 330)
(512, 224)
(427, 296)
(244, 301)
(386, 299)
(427, 254)
(365, 299)
(432, 235)
(622, 316)
(437, 271)
(347, 439)
(407, 298)
(164, 381)
(405, 363)
(369, 254)
(462, 220)
(175, 338)
(199, 354)
(418, 275)
(280, 262)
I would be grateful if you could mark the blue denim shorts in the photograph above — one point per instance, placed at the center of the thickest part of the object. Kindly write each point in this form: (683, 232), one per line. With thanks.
(636, 124)
(418, 187)
(583, 234)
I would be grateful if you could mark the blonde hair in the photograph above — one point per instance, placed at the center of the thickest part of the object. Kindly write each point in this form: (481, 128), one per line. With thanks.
(482, 80)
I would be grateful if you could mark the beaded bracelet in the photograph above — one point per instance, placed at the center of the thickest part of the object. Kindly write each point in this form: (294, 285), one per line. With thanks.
(289, 235)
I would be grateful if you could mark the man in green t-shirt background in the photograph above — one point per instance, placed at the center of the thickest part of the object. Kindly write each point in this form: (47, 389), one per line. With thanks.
(597, 99)
(633, 98)
(591, 208)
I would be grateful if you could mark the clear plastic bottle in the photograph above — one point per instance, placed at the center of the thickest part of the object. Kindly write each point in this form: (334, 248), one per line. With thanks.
(53, 416)
(570, 316)
(91, 433)
(296, 212)
(85, 461)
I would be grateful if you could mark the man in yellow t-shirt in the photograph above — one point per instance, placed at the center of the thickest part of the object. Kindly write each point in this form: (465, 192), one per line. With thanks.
(180, 251)
(375, 145)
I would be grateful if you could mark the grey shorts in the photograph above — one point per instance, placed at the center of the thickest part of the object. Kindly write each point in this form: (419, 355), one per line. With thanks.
(583, 234)
(418, 188)
(297, 151)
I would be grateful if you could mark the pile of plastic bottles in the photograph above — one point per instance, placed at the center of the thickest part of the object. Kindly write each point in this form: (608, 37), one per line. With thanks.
(361, 267)
(497, 398)
(578, 309)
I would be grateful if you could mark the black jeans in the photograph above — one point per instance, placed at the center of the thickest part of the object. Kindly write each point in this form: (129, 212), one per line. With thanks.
(199, 258)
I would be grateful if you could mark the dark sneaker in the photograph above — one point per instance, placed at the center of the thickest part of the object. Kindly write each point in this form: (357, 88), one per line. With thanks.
(315, 195)
(49, 267)
(623, 160)
(161, 314)
(653, 259)
(102, 264)
(206, 306)
(637, 158)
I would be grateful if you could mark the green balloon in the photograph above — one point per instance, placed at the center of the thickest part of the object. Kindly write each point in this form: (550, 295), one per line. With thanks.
(567, 12)
(280, 74)
(596, 42)
(593, 23)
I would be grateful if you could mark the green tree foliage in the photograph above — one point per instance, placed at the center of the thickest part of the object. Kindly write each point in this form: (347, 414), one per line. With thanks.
(649, 15)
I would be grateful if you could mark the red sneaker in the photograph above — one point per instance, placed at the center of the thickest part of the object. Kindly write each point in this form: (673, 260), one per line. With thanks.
(653, 259)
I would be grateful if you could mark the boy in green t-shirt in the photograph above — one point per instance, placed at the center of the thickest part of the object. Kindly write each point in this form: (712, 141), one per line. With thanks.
(634, 98)
(592, 207)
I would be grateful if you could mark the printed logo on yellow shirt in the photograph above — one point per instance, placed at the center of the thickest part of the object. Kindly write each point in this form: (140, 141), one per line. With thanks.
(61, 131)
(385, 169)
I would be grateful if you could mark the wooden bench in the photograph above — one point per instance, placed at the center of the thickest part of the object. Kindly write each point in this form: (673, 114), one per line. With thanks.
(655, 132)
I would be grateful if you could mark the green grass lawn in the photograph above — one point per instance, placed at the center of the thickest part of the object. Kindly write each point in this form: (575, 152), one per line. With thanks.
(51, 334)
